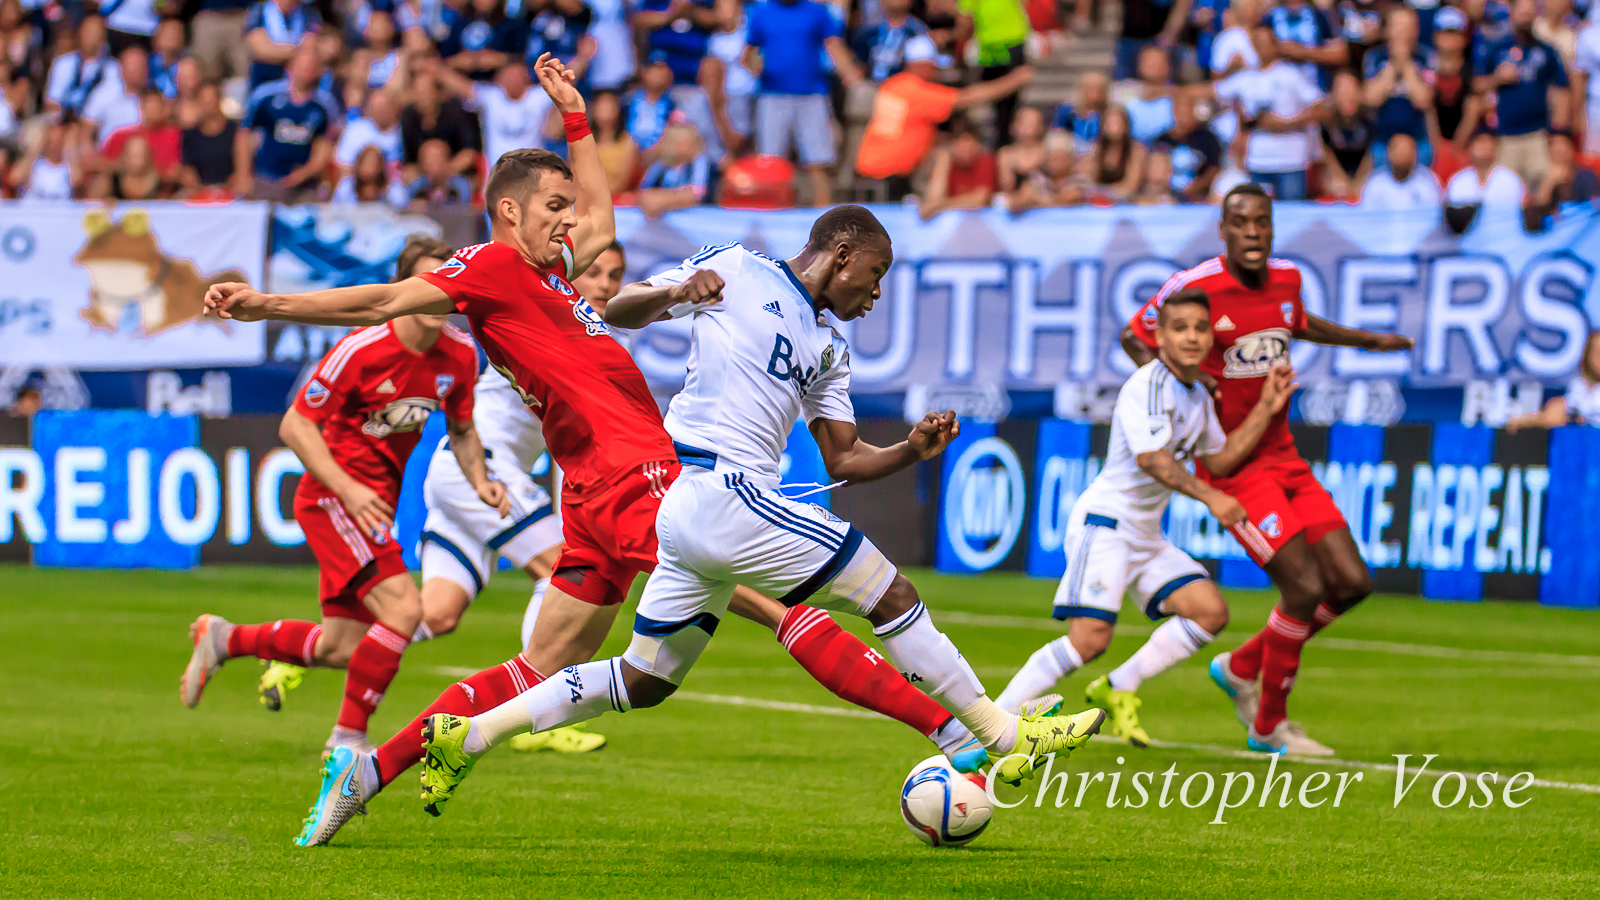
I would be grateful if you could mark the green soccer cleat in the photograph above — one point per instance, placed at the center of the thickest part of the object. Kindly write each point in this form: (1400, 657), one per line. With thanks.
(1123, 707)
(567, 739)
(279, 679)
(447, 763)
(1042, 736)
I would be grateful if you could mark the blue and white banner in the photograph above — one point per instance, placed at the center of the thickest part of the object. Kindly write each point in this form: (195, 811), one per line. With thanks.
(84, 286)
(1034, 301)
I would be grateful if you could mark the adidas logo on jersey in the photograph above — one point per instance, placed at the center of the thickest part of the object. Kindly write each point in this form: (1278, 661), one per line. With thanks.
(771, 306)
(387, 387)
(1224, 324)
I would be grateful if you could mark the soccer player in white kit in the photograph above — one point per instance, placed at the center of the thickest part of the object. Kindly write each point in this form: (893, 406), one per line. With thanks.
(1114, 545)
(762, 355)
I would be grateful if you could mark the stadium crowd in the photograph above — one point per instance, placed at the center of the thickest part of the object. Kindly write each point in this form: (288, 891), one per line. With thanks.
(1384, 103)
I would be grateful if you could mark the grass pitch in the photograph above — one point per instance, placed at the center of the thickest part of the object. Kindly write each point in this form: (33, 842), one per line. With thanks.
(113, 789)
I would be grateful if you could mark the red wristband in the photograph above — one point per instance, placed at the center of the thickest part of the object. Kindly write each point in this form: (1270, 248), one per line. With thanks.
(577, 125)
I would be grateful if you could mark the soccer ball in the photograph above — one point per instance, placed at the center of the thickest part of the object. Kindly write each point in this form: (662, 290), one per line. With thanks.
(943, 807)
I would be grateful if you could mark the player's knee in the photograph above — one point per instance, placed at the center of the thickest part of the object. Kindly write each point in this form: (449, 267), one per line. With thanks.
(442, 621)
(1302, 591)
(332, 652)
(644, 689)
(1350, 587)
(1090, 637)
(1213, 618)
(895, 602)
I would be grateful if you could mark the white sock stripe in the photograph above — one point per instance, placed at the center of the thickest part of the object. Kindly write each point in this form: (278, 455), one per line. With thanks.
(1287, 626)
(387, 638)
(904, 621)
(1063, 651)
(1324, 614)
(311, 643)
(540, 675)
(806, 623)
(1196, 634)
(516, 675)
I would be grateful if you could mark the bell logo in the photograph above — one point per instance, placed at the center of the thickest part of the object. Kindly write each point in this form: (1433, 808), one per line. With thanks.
(984, 503)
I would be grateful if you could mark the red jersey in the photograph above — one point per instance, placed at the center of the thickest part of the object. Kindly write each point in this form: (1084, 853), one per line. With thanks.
(600, 421)
(1252, 329)
(372, 395)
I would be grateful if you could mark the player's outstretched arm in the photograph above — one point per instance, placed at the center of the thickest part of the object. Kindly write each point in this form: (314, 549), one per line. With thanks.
(304, 437)
(364, 304)
(1241, 442)
(1318, 330)
(468, 450)
(640, 303)
(597, 218)
(850, 459)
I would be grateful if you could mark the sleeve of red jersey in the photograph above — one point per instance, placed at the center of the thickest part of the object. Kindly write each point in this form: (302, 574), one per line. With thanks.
(1299, 301)
(471, 276)
(328, 388)
(458, 402)
(1144, 321)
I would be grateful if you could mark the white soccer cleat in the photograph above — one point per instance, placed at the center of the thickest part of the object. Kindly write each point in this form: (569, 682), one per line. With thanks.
(1245, 694)
(210, 636)
(1288, 738)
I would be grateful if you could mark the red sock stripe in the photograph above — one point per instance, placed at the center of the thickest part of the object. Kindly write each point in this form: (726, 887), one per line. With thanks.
(840, 662)
(1290, 628)
(311, 645)
(799, 621)
(390, 639)
(1325, 614)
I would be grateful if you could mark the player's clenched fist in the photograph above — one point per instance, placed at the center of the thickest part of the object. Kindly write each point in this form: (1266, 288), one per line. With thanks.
(493, 493)
(704, 286)
(1228, 511)
(933, 433)
(232, 300)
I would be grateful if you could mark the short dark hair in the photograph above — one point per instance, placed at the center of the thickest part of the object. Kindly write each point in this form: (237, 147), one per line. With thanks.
(1248, 189)
(516, 175)
(617, 246)
(852, 225)
(1189, 296)
(418, 246)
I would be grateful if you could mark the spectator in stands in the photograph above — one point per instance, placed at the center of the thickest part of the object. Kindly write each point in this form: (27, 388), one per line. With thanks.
(881, 46)
(379, 126)
(134, 176)
(207, 147)
(1581, 402)
(1000, 28)
(186, 81)
(117, 103)
(1277, 103)
(1361, 22)
(1146, 23)
(738, 85)
(167, 51)
(1555, 26)
(484, 40)
(511, 109)
(909, 107)
(681, 175)
(377, 62)
(1115, 167)
(80, 74)
(430, 116)
(1150, 112)
(437, 184)
(1232, 51)
(273, 30)
(370, 181)
(1193, 153)
(285, 139)
(1483, 183)
(50, 169)
(1399, 86)
(217, 30)
(648, 108)
(21, 43)
(130, 23)
(1349, 136)
(1307, 37)
(163, 140)
(1531, 95)
(1563, 182)
(1586, 86)
(962, 175)
(619, 155)
(1025, 154)
(1155, 187)
(1055, 182)
(1083, 118)
(561, 29)
(785, 46)
(1404, 183)
(680, 30)
(1455, 106)
(613, 61)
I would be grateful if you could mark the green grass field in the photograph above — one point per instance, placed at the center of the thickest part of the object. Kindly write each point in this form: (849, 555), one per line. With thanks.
(113, 789)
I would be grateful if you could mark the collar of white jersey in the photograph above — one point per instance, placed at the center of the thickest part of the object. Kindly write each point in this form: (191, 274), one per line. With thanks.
(805, 295)
(1175, 375)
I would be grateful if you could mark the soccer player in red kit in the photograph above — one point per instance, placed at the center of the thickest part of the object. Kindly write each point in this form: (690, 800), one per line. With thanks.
(1294, 530)
(601, 424)
(354, 425)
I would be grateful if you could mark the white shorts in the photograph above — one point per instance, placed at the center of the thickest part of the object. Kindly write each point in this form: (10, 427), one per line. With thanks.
(463, 538)
(717, 530)
(1105, 562)
(803, 119)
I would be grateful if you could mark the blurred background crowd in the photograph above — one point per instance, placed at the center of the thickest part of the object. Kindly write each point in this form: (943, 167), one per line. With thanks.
(945, 104)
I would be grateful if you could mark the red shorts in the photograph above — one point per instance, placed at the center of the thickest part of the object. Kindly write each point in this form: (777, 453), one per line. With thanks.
(350, 562)
(613, 534)
(1282, 499)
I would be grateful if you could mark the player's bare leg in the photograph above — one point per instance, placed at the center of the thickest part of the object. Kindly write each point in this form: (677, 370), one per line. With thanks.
(1197, 612)
(1346, 578)
(375, 659)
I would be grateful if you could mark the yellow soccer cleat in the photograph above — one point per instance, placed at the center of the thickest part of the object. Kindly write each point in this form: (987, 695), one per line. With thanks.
(279, 679)
(447, 763)
(568, 739)
(1123, 707)
(1041, 736)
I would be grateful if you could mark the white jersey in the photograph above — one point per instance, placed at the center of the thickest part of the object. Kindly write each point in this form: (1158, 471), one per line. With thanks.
(504, 422)
(1155, 411)
(760, 358)
(1583, 400)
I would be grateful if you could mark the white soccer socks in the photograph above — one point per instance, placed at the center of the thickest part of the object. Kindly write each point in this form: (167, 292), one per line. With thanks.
(1175, 641)
(575, 694)
(532, 614)
(1048, 665)
(931, 663)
